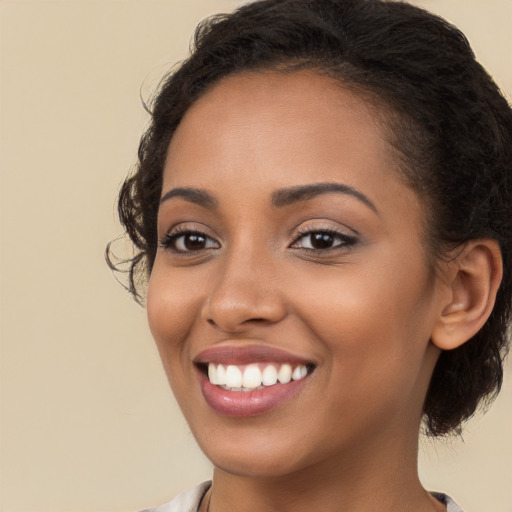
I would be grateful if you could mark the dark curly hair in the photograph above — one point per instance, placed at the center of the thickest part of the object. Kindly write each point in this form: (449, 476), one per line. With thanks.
(448, 122)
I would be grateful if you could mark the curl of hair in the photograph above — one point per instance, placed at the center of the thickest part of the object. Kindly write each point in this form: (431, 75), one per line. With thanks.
(447, 120)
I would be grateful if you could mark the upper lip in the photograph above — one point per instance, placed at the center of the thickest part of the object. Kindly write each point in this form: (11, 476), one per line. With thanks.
(235, 354)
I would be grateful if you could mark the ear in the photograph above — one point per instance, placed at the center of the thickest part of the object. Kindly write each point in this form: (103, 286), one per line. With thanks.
(470, 283)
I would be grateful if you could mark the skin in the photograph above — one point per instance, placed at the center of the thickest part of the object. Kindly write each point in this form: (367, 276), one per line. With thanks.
(363, 312)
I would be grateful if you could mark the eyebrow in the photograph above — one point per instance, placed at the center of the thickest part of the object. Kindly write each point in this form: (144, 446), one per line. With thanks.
(280, 198)
(287, 196)
(192, 195)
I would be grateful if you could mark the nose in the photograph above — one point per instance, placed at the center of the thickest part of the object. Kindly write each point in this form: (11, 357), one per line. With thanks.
(244, 293)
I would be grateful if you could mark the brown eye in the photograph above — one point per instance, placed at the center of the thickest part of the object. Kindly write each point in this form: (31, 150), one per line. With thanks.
(323, 240)
(189, 242)
(192, 242)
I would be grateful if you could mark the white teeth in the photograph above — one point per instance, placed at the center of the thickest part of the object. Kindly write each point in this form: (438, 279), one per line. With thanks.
(284, 375)
(297, 373)
(251, 377)
(212, 374)
(221, 374)
(233, 377)
(269, 376)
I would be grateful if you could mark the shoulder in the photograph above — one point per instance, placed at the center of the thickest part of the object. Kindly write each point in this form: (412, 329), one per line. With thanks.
(451, 506)
(187, 501)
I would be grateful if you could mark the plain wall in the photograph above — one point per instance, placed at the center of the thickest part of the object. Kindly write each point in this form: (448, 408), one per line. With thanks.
(87, 421)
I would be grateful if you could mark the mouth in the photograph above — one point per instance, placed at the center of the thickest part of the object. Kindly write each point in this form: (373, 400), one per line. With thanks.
(247, 381)
(255, 376)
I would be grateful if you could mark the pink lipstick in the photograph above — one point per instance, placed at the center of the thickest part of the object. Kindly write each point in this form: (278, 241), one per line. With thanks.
(242, 381)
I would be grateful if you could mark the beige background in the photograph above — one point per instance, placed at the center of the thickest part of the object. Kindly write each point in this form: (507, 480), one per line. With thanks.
(87, 421)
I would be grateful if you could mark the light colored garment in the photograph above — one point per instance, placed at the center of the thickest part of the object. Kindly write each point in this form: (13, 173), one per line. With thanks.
(189, 501)
(451, 506)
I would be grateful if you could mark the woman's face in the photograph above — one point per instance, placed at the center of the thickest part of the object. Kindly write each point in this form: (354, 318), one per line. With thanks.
(288, 244)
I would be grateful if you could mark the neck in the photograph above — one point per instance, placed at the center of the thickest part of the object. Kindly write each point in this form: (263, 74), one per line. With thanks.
(384, 480)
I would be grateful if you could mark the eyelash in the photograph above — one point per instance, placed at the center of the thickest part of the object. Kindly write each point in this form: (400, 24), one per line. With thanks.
(345, 241)
(171, 239)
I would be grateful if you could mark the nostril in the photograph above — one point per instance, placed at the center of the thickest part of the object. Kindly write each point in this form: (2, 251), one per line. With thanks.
(247, 322)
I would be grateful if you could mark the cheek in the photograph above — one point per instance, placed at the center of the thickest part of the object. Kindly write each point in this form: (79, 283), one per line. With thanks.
(172, 308)
(376, 366)
(375, 322)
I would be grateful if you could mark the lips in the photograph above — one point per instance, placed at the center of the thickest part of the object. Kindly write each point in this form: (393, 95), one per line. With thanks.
(247, 381)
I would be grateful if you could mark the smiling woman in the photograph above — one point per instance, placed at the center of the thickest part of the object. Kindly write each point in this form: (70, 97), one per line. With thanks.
(322, 206)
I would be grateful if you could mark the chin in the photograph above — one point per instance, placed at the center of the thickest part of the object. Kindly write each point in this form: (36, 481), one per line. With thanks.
(255, 466)
(253, 454)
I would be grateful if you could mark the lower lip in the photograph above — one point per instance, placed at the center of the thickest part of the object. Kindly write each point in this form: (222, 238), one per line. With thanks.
(242, 404)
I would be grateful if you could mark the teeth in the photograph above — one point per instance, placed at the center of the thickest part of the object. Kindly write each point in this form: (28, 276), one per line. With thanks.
(284, 375)
(297, 374)
(212, 374)
(253, 376)
(233, 377)
(221, 374)
(269, 376)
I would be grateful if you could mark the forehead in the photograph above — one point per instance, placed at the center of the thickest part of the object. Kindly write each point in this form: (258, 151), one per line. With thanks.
(259, 131)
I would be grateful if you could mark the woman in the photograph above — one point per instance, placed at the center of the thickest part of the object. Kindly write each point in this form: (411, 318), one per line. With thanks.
(323, 207)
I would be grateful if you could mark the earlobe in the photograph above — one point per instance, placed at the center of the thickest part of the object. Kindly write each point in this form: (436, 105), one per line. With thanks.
(471, 282)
